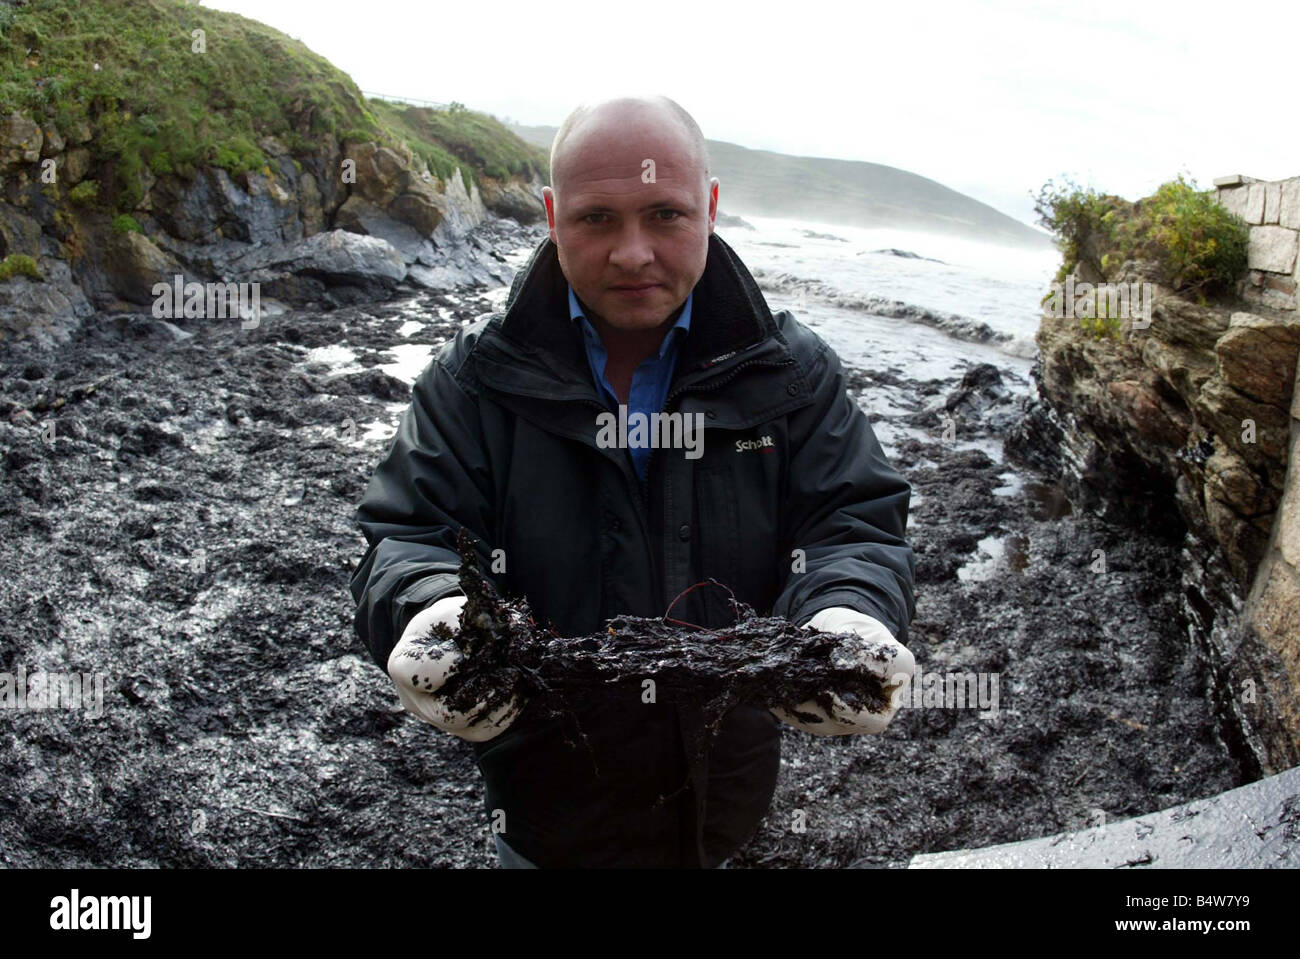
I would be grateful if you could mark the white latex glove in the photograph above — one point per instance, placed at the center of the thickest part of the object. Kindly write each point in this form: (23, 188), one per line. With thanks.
(895, 671)
(419, 671)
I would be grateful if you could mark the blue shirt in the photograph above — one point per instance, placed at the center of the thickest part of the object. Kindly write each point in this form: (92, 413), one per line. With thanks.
(650, 380)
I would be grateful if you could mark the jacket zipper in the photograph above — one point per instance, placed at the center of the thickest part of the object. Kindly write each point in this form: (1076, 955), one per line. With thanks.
(701, 387)
(636, 480)
(643, 488)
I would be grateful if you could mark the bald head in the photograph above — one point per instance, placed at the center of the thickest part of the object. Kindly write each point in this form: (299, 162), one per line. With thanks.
(631, 208)
(622, 118)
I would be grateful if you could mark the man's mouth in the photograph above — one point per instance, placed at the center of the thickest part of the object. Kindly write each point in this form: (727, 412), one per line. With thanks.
(638, 291)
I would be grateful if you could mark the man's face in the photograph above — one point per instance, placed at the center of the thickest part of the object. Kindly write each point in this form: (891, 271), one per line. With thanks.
(632, 250)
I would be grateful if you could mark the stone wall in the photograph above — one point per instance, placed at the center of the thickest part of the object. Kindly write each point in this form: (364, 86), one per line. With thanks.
(1264, 655)
(1271, 627)
(1272, 210)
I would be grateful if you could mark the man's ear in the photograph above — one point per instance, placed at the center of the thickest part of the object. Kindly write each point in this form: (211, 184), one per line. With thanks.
(713, 202)
(548, 197)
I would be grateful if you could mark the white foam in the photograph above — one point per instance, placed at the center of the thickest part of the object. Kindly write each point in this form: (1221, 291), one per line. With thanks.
(412, 358)
(987, 560)
(339, 358)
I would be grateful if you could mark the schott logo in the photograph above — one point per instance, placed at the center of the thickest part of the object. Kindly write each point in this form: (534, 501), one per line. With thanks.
(764, 443)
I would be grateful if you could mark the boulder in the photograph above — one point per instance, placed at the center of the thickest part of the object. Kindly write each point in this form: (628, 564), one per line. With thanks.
(19, 233)
(260, 206)
(462, 208)
(514, 199)
(420, 207)
(213, 206)
(191, 209)
(134, 264)
(1256, 356)
(980, 388)
(76, 164)
(20, 141)
(388, 180)
(379, 171)
(1231, 415)
(310, 205)
(309, 269)
(54, 143)
(361, 216)
(48, 309)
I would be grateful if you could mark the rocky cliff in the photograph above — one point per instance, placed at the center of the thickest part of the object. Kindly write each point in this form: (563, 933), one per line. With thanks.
(1191, 424)
(297, 227)
(111, 182)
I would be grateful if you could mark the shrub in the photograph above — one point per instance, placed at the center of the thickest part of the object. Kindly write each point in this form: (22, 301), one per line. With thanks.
(1199, 245)
(16, 264)
(125, 223)
(84, 192)
(238, 156)
(1101, 326)
(1075, 214)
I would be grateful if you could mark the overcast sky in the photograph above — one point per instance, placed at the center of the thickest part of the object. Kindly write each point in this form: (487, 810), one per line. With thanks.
(989, 98)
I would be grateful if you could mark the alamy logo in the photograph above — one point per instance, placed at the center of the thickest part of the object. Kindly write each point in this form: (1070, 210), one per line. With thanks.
(213, 301)
(656, 431)
(764, 443)
(75, 912)
(931, 690)
(39, 689)
(1121, 301)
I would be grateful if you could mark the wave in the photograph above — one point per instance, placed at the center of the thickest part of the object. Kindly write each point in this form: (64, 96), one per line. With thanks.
(954, 325)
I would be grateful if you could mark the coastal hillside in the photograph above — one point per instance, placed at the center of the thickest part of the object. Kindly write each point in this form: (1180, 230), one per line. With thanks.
(141, 139)
(848, 192)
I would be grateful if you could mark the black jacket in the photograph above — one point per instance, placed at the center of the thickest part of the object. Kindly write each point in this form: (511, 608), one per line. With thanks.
(501, 437)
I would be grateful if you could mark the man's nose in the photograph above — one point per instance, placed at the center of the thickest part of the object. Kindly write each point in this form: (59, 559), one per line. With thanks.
(632, 250)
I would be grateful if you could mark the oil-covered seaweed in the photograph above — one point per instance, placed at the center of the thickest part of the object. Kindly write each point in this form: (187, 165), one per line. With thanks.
(764, 661)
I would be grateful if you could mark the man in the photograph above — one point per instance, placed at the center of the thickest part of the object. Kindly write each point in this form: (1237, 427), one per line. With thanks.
(783, 495)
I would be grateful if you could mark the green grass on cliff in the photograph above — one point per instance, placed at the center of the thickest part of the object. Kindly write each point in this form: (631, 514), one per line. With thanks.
(132, 70)
(473, 141)
(1198, 245)
(18, 264)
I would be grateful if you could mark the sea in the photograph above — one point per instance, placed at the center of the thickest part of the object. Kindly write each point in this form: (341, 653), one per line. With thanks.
(823, 268)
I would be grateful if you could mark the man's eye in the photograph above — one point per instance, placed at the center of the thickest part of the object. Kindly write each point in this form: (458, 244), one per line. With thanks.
(675, 214)
(590, 215)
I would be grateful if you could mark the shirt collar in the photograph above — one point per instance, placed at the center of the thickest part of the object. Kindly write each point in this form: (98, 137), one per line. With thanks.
(683, 322)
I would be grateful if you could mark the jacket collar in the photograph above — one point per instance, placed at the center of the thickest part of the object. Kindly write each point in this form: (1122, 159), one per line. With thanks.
(577, 313)
(728, 311)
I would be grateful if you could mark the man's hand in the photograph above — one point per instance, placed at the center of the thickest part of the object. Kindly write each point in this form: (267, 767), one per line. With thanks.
(895, 672)
(420, 670)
